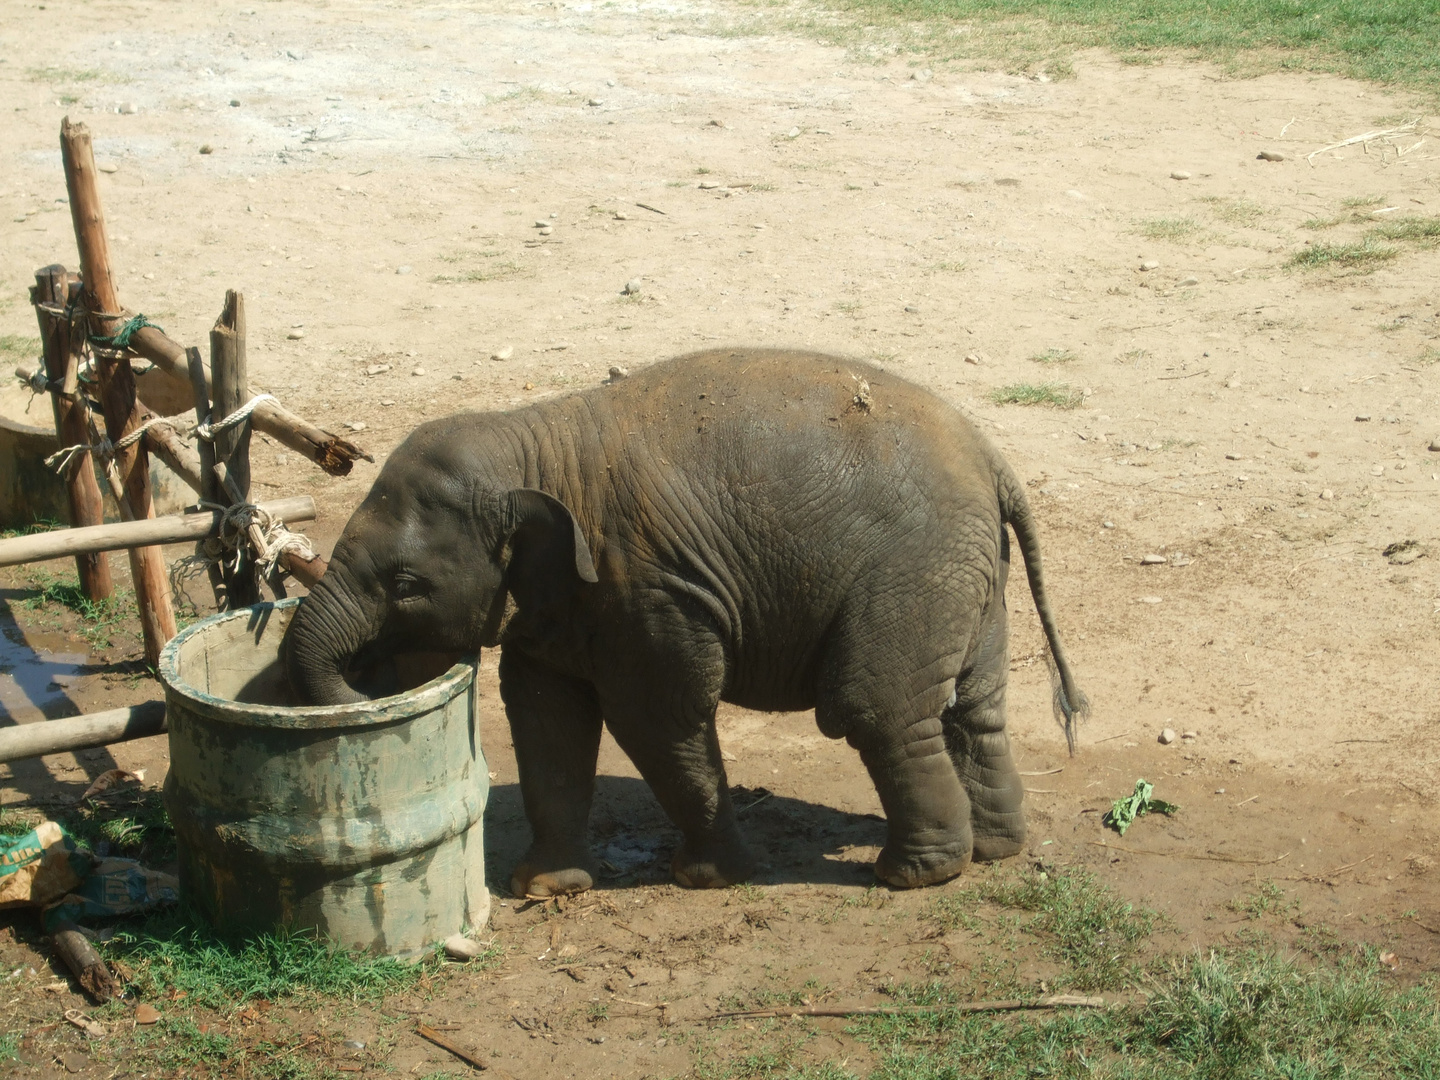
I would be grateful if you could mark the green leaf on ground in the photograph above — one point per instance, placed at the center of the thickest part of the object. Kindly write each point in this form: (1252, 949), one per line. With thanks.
(1123, 812)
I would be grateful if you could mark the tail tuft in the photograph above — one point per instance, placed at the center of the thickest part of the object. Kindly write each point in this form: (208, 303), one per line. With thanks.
(1067, 712)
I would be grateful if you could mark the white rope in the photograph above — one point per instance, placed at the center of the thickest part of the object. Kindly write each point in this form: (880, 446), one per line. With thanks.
(246, 525)
(182, 425)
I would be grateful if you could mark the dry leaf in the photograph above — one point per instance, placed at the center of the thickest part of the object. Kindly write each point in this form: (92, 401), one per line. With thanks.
(111, 778)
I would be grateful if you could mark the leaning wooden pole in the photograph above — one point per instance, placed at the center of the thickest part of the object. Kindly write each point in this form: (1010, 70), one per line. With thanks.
(62, 355)
(117, 383)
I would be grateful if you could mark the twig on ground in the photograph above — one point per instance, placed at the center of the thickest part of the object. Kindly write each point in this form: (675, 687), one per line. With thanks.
(1369, 136)
(1045, 772)
(428, 1033)
(1057, 1001)
(1206, 857)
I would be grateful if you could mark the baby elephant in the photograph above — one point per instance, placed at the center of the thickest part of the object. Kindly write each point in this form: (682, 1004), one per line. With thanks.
(780, 530)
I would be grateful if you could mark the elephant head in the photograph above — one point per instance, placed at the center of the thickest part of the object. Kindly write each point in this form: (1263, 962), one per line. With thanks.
(437, 559)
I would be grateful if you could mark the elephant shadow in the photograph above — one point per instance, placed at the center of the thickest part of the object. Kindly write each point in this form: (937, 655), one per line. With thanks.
(796, 841)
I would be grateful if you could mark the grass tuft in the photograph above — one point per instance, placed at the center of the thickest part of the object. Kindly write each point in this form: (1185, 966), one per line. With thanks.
(101, 620)
(1053, 395)
(1363, 254)
(1055, 355)
(177, 952)
(1168, 228)
(1235, 211)
(1411, 230)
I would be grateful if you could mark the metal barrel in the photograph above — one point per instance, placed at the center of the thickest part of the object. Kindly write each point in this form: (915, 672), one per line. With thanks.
(361, 821)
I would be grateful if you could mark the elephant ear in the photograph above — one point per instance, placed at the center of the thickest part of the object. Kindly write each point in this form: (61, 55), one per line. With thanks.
(542, 523)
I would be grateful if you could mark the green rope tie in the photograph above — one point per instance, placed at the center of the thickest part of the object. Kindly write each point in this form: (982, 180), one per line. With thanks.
(121, 340)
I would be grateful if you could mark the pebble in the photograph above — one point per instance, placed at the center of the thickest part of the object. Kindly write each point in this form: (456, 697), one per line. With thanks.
(618, 373)
(282, 459)
(1186, 283)
(402, 270)
(377, 369)
(1153, 560)
(128, 108)
(972, 358)
(632, 287)
(1269, 155)
(1189, 735)
(793, 133)
(1435, 443)
(1362, 418)
(621, 215)
(912, 309)
(1179, 174)
(146, 1014)
(1167, 736)
(356, 425)
(1327, 495)
(548, 230)
(1377, 470)
(1219, 791)
(1233, 457)
(544, 224)
(459, 947)
(709, 185)
(353, 1044)
(295, 335)
(922, 76)
(206, 148)
(595, 102)
(528, 386)
(505, 352)
(457, 376)
(418, 371)
(388, 402)
(716, 123)
(1107, 524)
(234, 102)
(1150, 264)
(108, 167)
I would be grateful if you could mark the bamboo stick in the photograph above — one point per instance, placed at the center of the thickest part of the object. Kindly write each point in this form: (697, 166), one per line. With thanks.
(87, 506)
(117, 383)
(335, 455)
(44, 737)
(171, 529)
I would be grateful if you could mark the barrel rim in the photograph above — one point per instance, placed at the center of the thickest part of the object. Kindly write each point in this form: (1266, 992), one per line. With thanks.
(412, 703)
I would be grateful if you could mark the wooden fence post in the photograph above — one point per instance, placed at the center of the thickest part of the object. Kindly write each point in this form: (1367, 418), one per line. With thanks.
(72, 427)
(229, 388)
(117, 383)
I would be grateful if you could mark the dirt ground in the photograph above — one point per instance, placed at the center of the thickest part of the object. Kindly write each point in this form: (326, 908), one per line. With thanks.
(374, 176)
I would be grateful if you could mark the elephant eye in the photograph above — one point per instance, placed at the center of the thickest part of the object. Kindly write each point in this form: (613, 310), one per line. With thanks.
(408, 587)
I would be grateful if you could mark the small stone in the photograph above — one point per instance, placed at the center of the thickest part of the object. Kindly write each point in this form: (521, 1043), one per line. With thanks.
(1269, 155)
(146, 1014)
(529, 386)
(403, 270)
(710, 185)
(621, 215)
(793, 133)
(1189, 282)
(1233, 457)
(457, 376)
(912, 309)
(1179, 174)
(1107, 525)
(356, 425)
(505, 352)
(1147, 599)
(716, 123)
(972, 358)
(128, 108)
(1435, 443)
(1362, 418)
(547, 231)
(1189, 735)
(388, 402)
(1219, 791)
(1327, 495)
(924, 75)
(632, 287)
(1167, 736)
(295, 335)
(1377, 470)
(544, 224)
(377, 369)
(595, 102)
(1150, 264)
(1392, 419)
(418, 371)
(353, 1044)
(108, 167)
(618, 373)
(234, 102)
(1153, 560)
(206, 148)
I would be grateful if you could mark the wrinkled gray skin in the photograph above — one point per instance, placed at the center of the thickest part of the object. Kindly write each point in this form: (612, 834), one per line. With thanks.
(745, 526)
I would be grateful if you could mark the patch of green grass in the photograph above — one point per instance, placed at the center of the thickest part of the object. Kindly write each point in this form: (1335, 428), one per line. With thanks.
(1409, 230)
(953, 267)
(1317, 224)
(1355, 202)
(1089, 929)
(1168, 228)
(1053, 395)
(1267, 898)
(133, 821)
(101, 620)
(178, 951)
(1431, 355)
(1235, 211)
(19, 346)
(181, 1048)
(1363, 254)
(1395, 41)
(9, 1046)
(498, 272)
(1055, 355)
(65, 75)
(39, 525)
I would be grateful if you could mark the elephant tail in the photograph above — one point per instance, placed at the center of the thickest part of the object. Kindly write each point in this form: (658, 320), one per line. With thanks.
(1069, 702)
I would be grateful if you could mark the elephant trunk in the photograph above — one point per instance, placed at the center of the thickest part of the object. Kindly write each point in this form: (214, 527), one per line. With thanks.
(328, 630)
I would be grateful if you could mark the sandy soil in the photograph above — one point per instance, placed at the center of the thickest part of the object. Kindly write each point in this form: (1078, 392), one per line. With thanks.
(374, 181)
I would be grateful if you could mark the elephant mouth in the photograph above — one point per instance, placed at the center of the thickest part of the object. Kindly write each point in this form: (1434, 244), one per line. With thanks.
(380, 670)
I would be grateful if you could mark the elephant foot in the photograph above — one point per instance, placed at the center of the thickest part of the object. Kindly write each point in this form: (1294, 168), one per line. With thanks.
(911, 870)
(538, 876)
(715, 867)
(991, 848)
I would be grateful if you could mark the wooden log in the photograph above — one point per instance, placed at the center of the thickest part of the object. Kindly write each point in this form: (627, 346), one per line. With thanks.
(87, 506)
(171, 529)
(229, 390)
(335, 455)
(71, 733)
(81, 958)
(209, 486)
(117, 383)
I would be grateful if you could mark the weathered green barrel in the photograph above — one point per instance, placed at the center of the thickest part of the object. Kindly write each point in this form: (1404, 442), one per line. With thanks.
(361, 821)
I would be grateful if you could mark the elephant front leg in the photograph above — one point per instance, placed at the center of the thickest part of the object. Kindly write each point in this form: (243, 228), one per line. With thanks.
(555, 725)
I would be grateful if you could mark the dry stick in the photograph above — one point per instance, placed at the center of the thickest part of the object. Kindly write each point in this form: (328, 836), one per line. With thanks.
(87, 505)
(1058, 1001)
(229, 390)
(335, 455)
(425, 1031)
(81, 958)
(1189, 855)
(1045, 772)
(117, 383)
(1403, 129)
